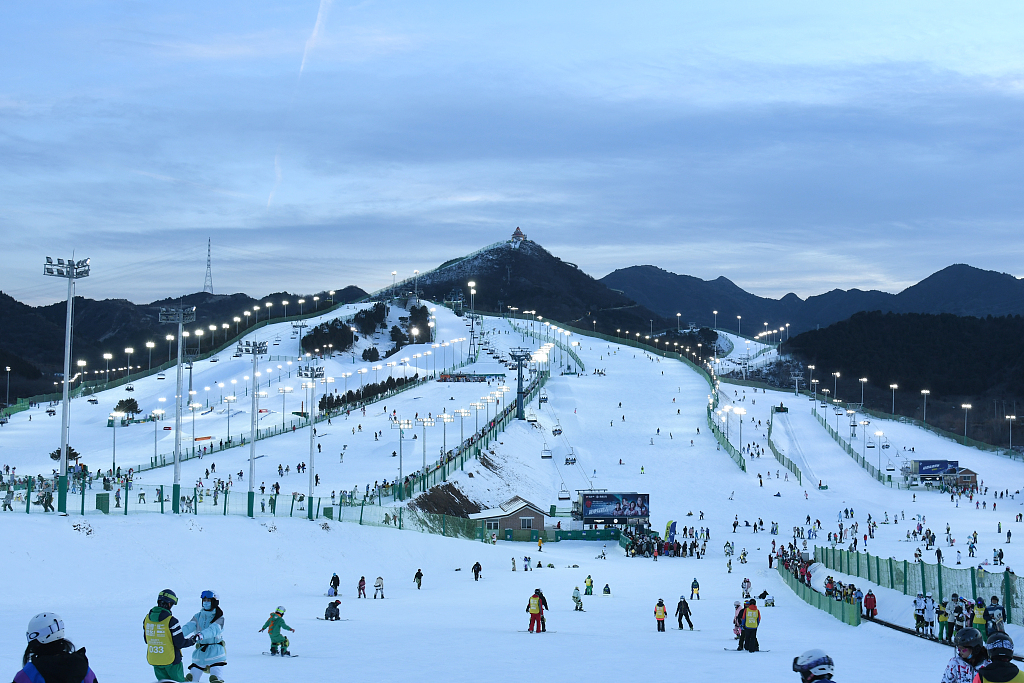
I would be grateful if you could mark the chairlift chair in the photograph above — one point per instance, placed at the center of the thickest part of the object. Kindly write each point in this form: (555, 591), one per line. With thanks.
(161, 376)
(557, 430)
(563, 493)
(130, 387)
(531, 417)
(543, 397)
(889, 467)
(871, 445)
(545, 453)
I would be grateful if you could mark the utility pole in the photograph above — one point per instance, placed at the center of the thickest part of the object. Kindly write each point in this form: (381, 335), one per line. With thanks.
(255, 349)
(520, 356)
(180, 316)
(313, 374)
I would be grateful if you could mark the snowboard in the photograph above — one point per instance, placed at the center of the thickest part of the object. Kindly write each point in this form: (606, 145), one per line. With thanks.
(732, 649)
(279, 655)
(322, 619)
(537, 631)
(695, 630)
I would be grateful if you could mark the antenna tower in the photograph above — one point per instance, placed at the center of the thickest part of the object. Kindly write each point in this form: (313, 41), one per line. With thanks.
(208, 284)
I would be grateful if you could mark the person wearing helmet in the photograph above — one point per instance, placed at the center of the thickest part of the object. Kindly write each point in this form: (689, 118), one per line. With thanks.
(929, 615)
(683, 612)
(813, 665)
(750, 619)
(535, 607)
(659, 614)
(588, 586)
(164, 638)
(276, 623)
(694, 589)
(1001, 667)
(970, 655)
(335, 583)
(995, 616)
(577, 600)
(49, 656)
(737, 627)
(979, 618)
(332, 613)
(919, 613)
(207, 627)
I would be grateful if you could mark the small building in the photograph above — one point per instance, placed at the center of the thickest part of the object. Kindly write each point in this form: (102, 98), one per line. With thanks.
(518, 237)
(966, 478)
(516, 514)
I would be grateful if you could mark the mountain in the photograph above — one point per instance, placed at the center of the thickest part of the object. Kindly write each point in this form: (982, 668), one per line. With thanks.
(958, 289)
(523, 274)
(32, 338)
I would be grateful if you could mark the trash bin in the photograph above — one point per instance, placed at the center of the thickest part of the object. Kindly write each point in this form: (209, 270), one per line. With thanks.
(508, 534)
(103, 503)
(329, 512)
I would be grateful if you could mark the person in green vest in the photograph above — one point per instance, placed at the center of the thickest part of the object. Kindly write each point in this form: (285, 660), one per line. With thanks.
(164, 639)
(979, 618)
(589, 586)
(275, 623)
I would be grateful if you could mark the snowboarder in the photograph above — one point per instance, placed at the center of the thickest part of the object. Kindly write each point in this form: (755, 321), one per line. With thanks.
(164, 638)
(477, 570)
(995, 616)
(275, 623)
(751, 619)
(206, 628)
(335, 583)
(535, 607)
(361, 588)
(813, 665)
(919, 613)
(694, 589)
(1000, 652)
(659, 614)
(745, 585)
(606, 590)
(577, 600)
(378, 587)
(418, 578)
(970, 656)
(332, 613)
(513, 564)
(588, 586)
(49, 656)
(737, 627)
(683, 612)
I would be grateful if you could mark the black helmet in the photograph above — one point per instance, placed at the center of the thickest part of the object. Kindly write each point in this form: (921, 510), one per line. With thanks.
(1000, 647)
(167, 598)
(968, 637)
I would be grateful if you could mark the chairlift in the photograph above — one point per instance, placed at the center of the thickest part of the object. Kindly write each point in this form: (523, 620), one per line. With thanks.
(545, 453)
(890, 467)
(563, 493)
(93, 400)
(557, 430)
(531, 417)
(885, 446)
(161, 376)
(543, 396)
(130, 387)
(871, 445)
(214, 359)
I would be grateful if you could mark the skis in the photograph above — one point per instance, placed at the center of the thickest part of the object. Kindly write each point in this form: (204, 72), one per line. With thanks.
(536, 631)
(730, 649)
(322, 619)
(269, 654)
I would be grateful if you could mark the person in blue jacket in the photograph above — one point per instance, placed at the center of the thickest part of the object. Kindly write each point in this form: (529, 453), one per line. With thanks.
(207, 626)
(51, 658)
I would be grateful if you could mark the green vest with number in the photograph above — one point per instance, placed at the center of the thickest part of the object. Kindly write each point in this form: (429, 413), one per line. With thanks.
(160, 646)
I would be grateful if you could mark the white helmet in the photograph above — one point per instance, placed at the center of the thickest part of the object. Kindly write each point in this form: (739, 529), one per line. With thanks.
(928, 594)
(44, 628)
(813, 662)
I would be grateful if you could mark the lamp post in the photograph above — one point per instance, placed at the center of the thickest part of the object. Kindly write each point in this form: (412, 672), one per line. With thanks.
(301, 301)
(150, 345)
(966, 407)
(678, 316)
(863, 381)
(894, 387)
(7, 402)
(864, 438)
(1009, 421)
(462, 414)
(316, 303)
(416, 285)
(108, 356)
(314, 374)
(81, 369)
(229, 400)
(401, 426)
(394, 276)
(476, 406)
(835, 385)
(116, 415)
(739, 324)
(878, 445)
(246, 314)
(787, 331)
(199, 342)
(255, 349)
(267, 306)
(157, 416)
(445, 419)
(284, 391)
(740, 412)
(285, 304)
(425, 422)
(925, 392)
(71, 270)
(129, 350)
(178, 316)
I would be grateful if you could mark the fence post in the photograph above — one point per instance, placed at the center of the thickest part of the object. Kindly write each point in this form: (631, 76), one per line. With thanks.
(892, 574)
(868, 556)
(974, 582)
(28, 496)
(83, 498)
(924, 586)
(1006, 594)
(292, 509)
(906, 570)
(938, 568)
(226, 492)
(361, 506)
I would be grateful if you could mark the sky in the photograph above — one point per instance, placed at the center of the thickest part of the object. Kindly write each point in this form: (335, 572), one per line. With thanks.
(791, 147)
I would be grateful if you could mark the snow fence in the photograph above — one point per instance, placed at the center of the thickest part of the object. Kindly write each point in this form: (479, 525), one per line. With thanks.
(786, 462)
(843, 611)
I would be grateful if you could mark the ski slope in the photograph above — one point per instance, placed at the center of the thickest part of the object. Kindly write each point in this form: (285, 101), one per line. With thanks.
(455, 628)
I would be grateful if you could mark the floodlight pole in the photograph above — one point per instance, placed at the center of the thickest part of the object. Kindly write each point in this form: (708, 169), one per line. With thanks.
(314, 374)
(255, 348)
(71, 271)
(179, 316)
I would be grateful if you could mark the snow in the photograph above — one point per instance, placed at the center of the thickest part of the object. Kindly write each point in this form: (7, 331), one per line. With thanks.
(455, 628)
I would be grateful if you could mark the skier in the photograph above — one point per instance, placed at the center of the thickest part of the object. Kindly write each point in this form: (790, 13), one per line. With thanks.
(361, 588)
(49, 657)
(970, 656)
(540, 545)
(995, 616)
(513, 564)
(588, 586)
(919, 613)
(577, 600)
(659, 614)
(751, 619)
(737, 629)
(870, 604)
(694, 589)
(929, 615)
(1000, 652)
(535, 607)
(332, 613)
(275, 623)
(206, 628)
(745, 585)
(378, 587)
(335, 583)
(418, 578)
(683, 612)
(477, 570)
(813, 665)
(164, 638)
(979, 618)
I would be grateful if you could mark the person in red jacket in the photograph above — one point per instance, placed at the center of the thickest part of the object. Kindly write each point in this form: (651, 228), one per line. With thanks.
(869, 606)
(535, 607)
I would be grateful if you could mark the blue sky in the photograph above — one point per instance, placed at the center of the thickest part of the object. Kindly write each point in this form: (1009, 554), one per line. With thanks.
(795, 147)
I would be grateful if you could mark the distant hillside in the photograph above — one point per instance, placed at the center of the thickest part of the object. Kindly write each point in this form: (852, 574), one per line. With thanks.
(530, 278)
(958, 359)
(32, 338)
(958, 289)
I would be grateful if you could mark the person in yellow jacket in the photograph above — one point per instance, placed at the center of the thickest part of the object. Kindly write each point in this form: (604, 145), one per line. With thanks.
(589, 583)
(750, 619)
(659, 614)
(164, 639)
(942, 616)
(979, 618)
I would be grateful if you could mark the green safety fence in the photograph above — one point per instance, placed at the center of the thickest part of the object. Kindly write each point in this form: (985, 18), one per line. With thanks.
(911, 578)
(878, 475)
(843, 611)
(786, 462)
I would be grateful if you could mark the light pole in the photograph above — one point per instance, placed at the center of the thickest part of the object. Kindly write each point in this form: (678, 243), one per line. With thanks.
(445, 419)
(1009, 421)
(476, 406)
(864, 439)
(394, 276)
(246, 314)
(255, 349)
(416, 285)
(116, 415)
(179, 316)
(267, 306)
(740, 412)
(462, 414)
(150, 345)
(425, 422)
(678, 316)
(894, 387)
(229, 400)
(284, 391)
(835, 385)
(878, 445)
(301, 301)
(739, 324)
(285, 304)
(316, 303)
(862, 381)
(787, 331)
(7, 402)
(314, 374)
(129, 350)
(401, 426)
(81, 369)
(71, 271)
(199, 341)
(925, 392)
(966, 407)
(108, 356)
(157, 416)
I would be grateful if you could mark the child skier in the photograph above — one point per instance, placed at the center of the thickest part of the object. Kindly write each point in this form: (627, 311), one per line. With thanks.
(207, 627)
(48, 656)
(164, 638)
(275, 623)
(576, 599)
(659, 614)
(535, 608)
(378, 587)
(332, 613)
(361, 588)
